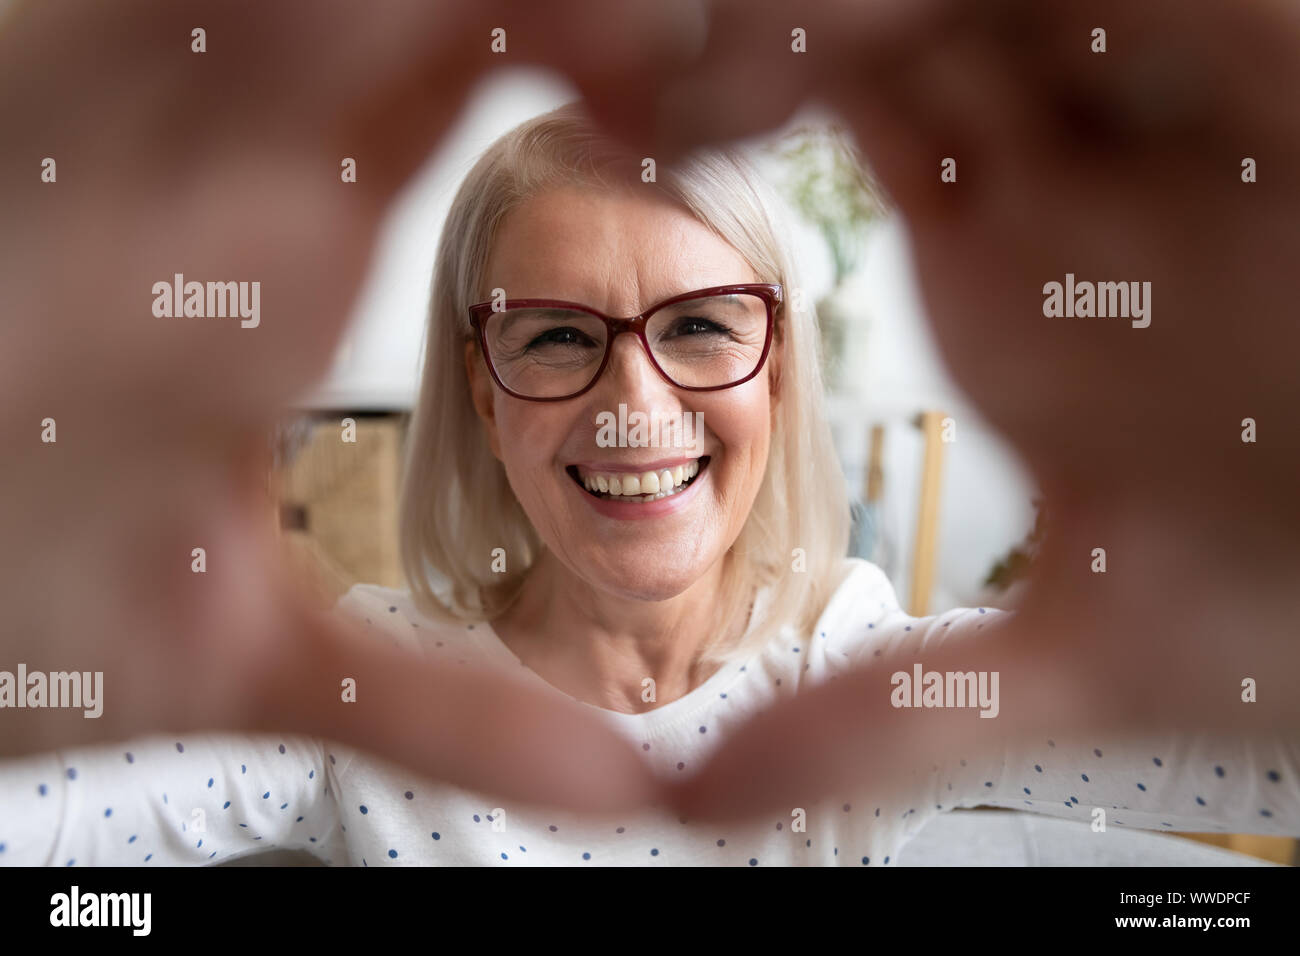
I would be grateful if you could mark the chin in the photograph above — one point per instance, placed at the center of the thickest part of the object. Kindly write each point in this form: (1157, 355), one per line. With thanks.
(632, 580)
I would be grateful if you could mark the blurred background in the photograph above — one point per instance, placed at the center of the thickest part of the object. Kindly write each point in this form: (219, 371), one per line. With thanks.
(965, 513)
(942, 506)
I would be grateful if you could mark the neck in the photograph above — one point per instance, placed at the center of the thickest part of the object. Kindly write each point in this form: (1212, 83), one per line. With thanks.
(600, 648)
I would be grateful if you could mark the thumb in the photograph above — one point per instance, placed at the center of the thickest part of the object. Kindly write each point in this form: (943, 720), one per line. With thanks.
(468, 726)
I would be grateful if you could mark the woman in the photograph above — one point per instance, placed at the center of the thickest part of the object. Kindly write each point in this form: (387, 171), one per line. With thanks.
(678, 590)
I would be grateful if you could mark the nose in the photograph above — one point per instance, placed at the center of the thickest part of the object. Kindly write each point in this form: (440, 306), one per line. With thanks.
(631, 377)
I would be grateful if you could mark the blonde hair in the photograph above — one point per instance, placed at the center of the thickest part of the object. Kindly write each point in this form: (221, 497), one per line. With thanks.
(456, 503)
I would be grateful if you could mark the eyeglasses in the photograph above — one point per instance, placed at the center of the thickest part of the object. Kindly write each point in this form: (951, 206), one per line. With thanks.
(546, 350)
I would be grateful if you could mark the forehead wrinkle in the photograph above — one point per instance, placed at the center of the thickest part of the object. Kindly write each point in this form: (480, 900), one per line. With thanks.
(630, 254)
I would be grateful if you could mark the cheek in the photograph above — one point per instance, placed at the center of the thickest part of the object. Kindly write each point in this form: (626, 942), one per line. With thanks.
(744, 429)
(744, 425)
(529, 435)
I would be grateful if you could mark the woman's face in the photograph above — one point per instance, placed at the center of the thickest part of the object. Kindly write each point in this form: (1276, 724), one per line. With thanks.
(621, 253)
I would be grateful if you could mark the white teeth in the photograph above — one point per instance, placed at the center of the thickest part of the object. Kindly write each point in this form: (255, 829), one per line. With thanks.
(643, 486)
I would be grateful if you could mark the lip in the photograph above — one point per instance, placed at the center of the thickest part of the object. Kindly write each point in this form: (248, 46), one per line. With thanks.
(630, 511)
(622, 467)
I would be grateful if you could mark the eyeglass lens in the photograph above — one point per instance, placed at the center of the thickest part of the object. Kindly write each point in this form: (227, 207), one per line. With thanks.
(698, 343)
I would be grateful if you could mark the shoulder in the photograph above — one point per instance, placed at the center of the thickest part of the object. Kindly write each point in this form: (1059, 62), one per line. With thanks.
(863, 594)
(864, 615)
(371, 596)
(861, 600)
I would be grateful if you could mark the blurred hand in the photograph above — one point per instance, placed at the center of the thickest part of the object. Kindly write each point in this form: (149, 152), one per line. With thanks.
(1122, 166)
(225, 166)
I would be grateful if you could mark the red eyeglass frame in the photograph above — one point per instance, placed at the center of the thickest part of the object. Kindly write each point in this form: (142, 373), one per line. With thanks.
(770, 292)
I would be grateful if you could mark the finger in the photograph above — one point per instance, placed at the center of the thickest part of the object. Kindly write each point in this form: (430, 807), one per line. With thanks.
(952, 131)
(260, 122)
(842, 737)
(474, 728)
(1089, 655)
(240, 648)
(747, 70)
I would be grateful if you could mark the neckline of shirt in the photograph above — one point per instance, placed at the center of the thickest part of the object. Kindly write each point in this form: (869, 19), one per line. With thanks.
(650, 721)
(653, 722)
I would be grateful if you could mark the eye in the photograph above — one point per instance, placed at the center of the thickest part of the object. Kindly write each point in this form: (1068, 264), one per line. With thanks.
(690, 325)
(565, 335)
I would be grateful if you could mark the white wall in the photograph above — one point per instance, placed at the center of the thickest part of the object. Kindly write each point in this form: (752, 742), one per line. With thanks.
(377, 363)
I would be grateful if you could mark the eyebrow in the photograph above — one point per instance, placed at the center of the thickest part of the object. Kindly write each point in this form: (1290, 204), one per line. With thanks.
(728, 299)
(731, 298)
(535, 311)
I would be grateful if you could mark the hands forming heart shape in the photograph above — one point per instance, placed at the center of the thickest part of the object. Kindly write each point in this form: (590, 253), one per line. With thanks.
(1125, 165)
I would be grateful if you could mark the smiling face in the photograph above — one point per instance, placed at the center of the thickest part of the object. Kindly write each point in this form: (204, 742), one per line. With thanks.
(621, 253)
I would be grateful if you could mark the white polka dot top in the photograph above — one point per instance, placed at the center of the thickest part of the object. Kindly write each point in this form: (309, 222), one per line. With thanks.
(211, 798)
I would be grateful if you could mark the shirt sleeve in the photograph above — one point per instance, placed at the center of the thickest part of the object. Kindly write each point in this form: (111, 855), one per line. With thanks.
(1187, 782)
(189, 800)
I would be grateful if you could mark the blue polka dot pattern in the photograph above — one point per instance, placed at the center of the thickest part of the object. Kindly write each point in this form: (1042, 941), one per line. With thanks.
(313, 817)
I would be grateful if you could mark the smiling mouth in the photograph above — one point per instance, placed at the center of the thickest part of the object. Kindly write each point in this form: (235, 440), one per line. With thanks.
(639, 486)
